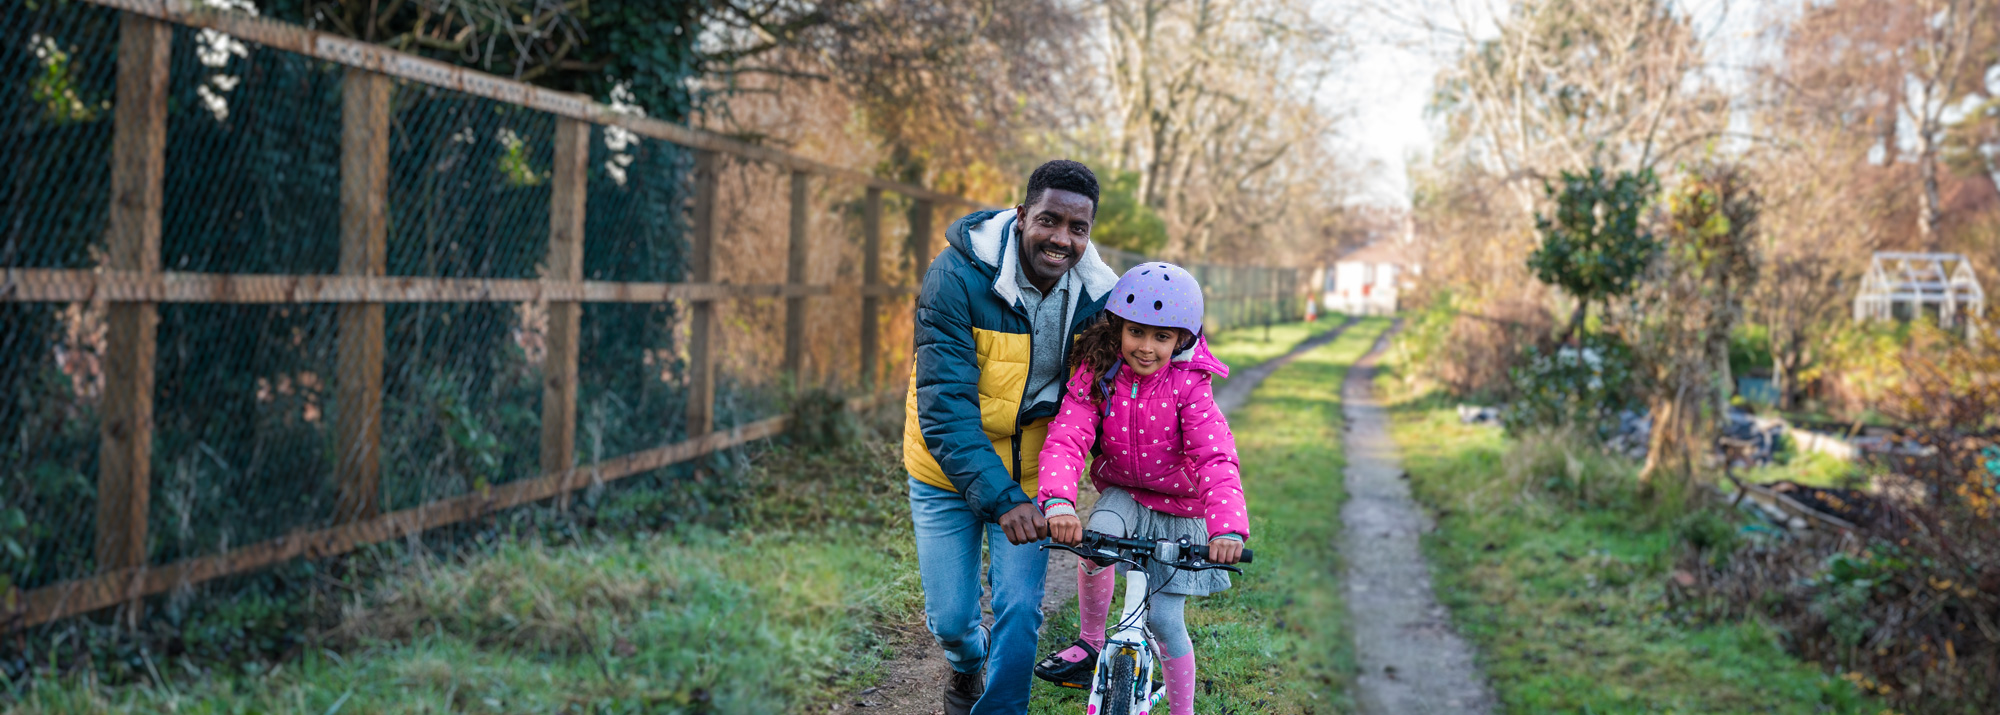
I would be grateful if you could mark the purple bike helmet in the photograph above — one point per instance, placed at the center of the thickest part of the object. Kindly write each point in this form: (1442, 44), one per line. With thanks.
(1158, 293)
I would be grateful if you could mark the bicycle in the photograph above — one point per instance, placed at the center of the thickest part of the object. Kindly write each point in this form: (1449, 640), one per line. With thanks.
(1122, 682)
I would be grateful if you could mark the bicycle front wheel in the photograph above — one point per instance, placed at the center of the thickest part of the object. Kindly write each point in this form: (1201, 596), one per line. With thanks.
(1119, 689)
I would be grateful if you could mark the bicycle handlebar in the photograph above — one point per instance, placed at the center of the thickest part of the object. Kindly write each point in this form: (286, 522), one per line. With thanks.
(1101, 548)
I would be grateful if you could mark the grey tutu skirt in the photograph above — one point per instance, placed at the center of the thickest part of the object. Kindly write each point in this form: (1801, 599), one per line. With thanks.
(1117, 514)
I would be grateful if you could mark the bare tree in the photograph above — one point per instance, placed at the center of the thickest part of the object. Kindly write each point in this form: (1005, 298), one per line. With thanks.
(1941, 49)
(1212, 103)
(952, 92)
(1569, 84)
(1881, 63)
(1802, 300)
(1844, 67)
(1823, 214)
(1214, 109)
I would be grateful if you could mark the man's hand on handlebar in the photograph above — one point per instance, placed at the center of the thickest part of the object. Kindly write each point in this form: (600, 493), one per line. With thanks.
(1024, 524)
(1224, 550)
(1066, 529)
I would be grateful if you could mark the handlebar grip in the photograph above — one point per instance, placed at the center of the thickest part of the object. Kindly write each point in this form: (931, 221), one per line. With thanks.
(1202, 551)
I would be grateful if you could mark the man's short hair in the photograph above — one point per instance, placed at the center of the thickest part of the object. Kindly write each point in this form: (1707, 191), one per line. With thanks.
(1071, 176)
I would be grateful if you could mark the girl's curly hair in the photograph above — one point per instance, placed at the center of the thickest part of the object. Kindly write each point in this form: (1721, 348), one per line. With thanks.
(1101, 346)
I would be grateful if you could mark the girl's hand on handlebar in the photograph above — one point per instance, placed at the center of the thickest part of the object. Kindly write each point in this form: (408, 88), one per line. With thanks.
(1066, 530)
(1224, 550)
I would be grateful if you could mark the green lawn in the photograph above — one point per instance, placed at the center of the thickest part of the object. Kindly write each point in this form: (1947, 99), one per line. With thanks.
(1277, 642)
(1552, 568)
(1245, 347)
(687, 622)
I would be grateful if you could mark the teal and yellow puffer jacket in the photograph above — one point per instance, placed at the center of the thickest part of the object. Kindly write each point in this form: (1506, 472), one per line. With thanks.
(966, 428)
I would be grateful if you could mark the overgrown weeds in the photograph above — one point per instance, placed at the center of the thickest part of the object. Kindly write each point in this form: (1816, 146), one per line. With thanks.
(1469, 348)
(762, 599)
(1909, 606)
(1553, 563)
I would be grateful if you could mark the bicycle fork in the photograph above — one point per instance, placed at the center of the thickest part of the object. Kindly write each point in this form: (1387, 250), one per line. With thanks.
(1132, 643)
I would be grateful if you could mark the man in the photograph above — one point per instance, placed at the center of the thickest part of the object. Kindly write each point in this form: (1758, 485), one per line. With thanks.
(995, 319)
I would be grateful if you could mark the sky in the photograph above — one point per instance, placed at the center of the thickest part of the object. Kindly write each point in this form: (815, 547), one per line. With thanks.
(1388, 81)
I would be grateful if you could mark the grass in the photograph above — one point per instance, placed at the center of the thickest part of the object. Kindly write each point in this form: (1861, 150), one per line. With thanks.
(756, 620)
(1278, 641)
(776, 612)
(1245, 347)
(1812, 469)
(1550, 565)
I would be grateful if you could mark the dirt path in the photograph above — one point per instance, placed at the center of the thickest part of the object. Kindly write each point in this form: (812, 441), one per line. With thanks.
(1411, 659)
(913, 681)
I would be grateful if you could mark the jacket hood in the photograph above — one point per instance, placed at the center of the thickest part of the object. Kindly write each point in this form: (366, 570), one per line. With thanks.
(1197, 357)
(987, 237)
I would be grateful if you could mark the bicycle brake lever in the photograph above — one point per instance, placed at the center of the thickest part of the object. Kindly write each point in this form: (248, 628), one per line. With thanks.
(1092, 555)
(1066, 547)
(1210, 567)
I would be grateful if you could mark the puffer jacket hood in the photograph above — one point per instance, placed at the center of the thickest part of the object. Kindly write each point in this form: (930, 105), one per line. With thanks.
(1197, 357)
(968, 425)
(987, 239)
(1160, 437)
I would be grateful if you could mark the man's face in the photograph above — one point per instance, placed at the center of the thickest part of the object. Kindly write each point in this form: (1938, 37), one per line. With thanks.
(1054, 234)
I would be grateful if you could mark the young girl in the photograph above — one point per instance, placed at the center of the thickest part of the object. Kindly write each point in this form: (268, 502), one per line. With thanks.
(1139, 400)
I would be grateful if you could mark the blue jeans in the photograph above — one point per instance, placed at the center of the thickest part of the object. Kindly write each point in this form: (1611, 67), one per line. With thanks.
(948, 562)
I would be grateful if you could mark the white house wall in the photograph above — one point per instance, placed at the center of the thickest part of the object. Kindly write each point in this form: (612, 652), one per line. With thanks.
(1363, 289)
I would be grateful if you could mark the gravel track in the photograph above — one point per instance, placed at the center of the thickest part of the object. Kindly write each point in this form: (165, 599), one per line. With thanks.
(1412, 661)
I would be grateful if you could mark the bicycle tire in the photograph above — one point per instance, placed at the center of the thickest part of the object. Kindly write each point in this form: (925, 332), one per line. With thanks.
(1118, 690)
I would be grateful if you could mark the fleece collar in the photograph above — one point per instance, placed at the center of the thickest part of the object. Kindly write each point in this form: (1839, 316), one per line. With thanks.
(1197, 357)
(992, 242)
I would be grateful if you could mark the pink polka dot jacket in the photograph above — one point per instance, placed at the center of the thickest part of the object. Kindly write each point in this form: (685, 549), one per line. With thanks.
(1159, 437)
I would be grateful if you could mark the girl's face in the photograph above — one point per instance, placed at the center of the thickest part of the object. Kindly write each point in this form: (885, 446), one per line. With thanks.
(1147, 348)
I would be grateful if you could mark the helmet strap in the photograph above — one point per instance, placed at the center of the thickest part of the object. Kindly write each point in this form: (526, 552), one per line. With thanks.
(1187, 343)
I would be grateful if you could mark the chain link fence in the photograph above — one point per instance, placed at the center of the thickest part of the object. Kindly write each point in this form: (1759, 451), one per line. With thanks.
(1235, 296)
(243, 448)
(59, 70)
(228, 358)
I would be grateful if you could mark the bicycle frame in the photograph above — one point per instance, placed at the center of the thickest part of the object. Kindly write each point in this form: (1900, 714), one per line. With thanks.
(1132, 638)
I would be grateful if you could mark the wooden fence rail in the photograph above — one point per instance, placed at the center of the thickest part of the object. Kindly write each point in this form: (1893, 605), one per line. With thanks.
(131, 285)
(38, 285)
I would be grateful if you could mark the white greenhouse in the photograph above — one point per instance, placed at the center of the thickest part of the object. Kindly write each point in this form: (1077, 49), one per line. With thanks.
(1901, 286)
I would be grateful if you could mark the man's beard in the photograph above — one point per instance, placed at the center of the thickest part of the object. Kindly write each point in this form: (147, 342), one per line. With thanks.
(1028, 257)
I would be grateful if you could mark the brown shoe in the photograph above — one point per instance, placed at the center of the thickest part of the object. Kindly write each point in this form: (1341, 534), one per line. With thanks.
(964, 691)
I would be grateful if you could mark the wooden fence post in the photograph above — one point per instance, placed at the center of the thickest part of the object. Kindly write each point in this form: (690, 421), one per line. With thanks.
(132, 242)
(920, 241)
(795, 275)
(701, 269)
(918, 244)
(565, 263)
(871, 277)
(364, 242)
